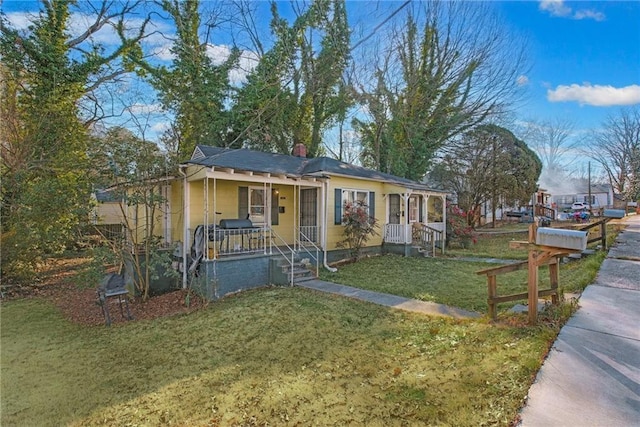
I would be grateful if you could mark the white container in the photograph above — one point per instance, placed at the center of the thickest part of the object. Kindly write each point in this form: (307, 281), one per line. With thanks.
(563, 239)
(613, 213)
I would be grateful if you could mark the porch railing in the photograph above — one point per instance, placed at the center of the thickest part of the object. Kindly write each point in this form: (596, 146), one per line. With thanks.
(428, 237)
(309, 234)
(397, 233)
(224, 242)
(417, 234)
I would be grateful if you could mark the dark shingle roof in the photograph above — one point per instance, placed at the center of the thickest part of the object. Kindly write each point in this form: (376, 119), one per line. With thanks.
(104, 196)
(281, 164)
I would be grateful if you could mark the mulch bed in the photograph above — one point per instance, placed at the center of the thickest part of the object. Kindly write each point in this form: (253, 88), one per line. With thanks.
(79, 305)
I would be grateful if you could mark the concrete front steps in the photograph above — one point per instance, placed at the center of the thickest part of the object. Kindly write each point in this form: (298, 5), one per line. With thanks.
(281, 271)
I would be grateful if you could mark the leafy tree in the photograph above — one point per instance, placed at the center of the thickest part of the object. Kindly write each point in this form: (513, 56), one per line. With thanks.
(194, 88)
(47, 74)
(488, 164)
(616, 148)
(443, 74)
(294, 92)
(138, 171)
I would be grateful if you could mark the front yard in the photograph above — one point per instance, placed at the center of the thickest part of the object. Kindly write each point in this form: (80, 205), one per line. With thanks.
(285, 356)
(278, 356)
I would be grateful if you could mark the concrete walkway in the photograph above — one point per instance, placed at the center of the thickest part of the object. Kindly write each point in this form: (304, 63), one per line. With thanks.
(592, 374)
(401, 303)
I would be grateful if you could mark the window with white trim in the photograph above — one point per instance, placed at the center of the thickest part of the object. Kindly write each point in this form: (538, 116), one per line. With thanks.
(351, 196)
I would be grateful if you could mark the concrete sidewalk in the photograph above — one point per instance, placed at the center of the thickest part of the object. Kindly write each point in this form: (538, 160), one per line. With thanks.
(401, 303)
(592, 374)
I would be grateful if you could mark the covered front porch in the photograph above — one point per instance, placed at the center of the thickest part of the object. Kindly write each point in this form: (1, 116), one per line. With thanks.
(416, 219)
(239, 214)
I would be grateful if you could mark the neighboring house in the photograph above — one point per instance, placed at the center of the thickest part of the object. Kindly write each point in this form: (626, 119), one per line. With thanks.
(294, 207)
(601, 197)
(107, 208)
(112, 213)
(107, 214)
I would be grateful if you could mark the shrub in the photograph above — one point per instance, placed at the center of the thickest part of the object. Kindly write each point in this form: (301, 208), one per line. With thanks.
(458, 225)
(359, 227)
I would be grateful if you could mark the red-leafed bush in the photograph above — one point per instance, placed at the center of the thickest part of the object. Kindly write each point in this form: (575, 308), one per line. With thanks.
(359, 227)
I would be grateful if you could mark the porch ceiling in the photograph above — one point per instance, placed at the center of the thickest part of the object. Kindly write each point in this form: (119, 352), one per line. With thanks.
(229, 174)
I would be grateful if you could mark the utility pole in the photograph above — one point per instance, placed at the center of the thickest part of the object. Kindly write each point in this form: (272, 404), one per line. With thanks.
(493, 181)
(589, 175)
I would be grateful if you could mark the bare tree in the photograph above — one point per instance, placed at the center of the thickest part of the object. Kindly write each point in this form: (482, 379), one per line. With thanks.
(553, 142)
(616, 148)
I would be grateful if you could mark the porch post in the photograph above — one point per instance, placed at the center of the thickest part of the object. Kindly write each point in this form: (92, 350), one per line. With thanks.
(323, 217)
(185, 226)
(407, 235)
(206, 217)
(215, 217)
(296, 211)
(426, 209)
(266, 205)
(268, 222)
(444, 221)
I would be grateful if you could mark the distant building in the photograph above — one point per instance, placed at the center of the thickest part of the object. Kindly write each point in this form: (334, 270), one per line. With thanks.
(601, 197)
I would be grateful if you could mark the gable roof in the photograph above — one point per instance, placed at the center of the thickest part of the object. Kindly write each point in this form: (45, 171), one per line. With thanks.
(282, 164)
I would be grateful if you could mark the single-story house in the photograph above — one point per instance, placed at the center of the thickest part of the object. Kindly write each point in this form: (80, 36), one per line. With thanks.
(601, 197)
(241, 219)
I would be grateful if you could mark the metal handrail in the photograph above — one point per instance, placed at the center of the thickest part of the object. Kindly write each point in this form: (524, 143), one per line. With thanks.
(278, 237)
(307, 241)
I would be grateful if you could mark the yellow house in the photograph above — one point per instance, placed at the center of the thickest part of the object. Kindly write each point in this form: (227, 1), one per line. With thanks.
(244, 218)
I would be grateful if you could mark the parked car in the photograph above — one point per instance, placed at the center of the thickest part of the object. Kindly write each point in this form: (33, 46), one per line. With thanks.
(595, 209)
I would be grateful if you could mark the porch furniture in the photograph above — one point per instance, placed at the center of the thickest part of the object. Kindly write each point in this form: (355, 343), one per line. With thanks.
(112, 285)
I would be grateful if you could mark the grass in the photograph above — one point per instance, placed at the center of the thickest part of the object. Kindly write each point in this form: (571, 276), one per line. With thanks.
(495, 243)
(492, 245)
(277, 356)
(453, 282)
(288, 356)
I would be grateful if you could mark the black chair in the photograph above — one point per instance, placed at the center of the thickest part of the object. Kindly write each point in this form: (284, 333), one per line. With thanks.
(113, 286)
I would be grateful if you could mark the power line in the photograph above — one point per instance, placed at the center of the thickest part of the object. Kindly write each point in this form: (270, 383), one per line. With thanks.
(395, 12)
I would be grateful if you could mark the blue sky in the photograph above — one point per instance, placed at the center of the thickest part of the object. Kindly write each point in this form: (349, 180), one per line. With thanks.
(585, 56)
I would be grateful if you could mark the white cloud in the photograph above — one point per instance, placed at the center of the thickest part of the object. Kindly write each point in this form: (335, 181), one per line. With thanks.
(160, 127)
(560, 9)
(20, 20)
(163, 52)
(555, 7)
(247, 62)
(522, 80)
(596, 95)
(218, 53)
(145, 108)
(589, 14)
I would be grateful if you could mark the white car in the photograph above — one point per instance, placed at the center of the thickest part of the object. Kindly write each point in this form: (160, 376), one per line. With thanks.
(578, 206)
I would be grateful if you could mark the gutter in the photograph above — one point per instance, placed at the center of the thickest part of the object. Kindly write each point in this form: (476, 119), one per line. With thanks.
(325, 185)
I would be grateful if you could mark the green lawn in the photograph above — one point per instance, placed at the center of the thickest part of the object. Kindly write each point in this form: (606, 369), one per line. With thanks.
(287, 356)
(276, 356)
(492, 245)
(453, 282)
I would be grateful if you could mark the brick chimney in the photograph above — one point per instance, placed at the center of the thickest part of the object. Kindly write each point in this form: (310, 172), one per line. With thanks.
(299, 150)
